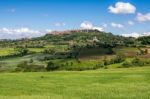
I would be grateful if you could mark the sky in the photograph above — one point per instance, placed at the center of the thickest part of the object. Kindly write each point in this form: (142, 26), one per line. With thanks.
(33, 18)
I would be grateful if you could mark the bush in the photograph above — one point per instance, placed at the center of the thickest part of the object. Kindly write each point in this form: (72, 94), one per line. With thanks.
(106, 61)
(22, 51)
(147, 62)
(105, 67)
(146, 51)
(31, 60)
(137, 62)
(143, 52)
(119, 58)
(110, 51)
(126, 64)
(112, 61)
(51, 66)
(26, 67)
(49, 51)
(100, 65)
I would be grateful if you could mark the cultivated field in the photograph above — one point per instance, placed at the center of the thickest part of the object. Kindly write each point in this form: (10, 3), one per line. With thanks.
(126, 83)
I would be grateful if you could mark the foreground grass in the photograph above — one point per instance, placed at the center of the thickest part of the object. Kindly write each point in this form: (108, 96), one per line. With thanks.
(132, 83)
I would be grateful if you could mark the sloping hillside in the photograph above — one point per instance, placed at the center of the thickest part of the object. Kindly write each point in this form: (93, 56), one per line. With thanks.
(80, 37)
(84, 36)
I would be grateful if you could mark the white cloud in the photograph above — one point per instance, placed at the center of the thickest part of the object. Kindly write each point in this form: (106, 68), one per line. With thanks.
(60, 24)
(89, 25)
(136, 35)
(122, 8)
(17, 31)
(130, 22)
(143, 17)
(6, 33)
(117, 25)
(86, 25)
(146, 34)
(48, 30)
(98, 28)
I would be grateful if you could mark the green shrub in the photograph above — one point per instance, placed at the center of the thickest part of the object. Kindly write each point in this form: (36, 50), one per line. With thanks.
(137, 62)
(22, 51)
(126, 64)
(147, 62)
(146, 51)
(119, 58)
(3, 67)
(26, 67)
(71, 63)
(99, 65)
(49, 51)
(112, 61)
(51, 66)
(106, 61)
(31, 60)
(105, 67)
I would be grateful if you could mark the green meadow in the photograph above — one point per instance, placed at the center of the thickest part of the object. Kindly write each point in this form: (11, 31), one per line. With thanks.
(6, 51)
(74, 49)
(129, 83)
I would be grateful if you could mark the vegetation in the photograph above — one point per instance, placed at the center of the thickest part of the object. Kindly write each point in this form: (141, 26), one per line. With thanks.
(144, 40)
(29, 67)
(77, 64)
(135, 62)
(73, 50)
(51, 66)
(131, 83)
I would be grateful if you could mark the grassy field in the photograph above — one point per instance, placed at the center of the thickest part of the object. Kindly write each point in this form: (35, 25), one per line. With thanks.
(6, 51)
(36, 49)
(9, 51)
(129, 83)
(11, 63)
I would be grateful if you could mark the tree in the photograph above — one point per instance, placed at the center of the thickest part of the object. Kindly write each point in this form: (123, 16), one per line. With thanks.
(146, 51)
(51, 66)
(119, 58)
(31, 60)
(22, 51)
(27, 67)
(49, 51)
(137, 62)
(143, 52)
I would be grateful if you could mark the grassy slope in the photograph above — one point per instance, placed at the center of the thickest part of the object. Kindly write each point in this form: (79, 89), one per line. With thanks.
(6, 51)
(11, 63)
(131, 83)
(86, 61)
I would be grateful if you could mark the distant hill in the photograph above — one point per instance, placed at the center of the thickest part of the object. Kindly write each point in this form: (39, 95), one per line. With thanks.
(85, 36)
(79, 37)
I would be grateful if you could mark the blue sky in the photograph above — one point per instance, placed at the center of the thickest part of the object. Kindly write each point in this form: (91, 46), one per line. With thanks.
(29, 18)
